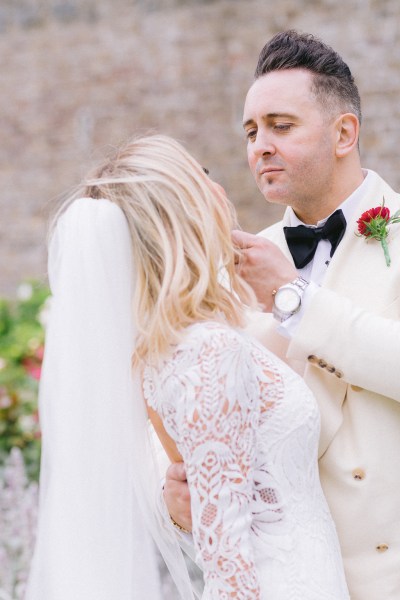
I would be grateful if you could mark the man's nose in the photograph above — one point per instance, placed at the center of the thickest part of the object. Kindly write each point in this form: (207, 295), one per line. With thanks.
(263, 145)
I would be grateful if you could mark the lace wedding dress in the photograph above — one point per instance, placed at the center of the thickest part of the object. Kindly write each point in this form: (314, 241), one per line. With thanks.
(247, 428)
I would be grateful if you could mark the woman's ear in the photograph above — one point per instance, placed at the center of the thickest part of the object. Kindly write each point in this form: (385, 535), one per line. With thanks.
(347, 128)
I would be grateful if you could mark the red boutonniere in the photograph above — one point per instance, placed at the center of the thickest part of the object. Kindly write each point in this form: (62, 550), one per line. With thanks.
(374, 224)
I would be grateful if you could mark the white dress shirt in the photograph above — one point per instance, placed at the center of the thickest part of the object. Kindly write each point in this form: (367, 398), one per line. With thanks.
(315, 270)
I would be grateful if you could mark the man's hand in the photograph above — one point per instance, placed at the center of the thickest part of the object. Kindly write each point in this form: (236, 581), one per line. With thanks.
(263, 265)
(176, 495)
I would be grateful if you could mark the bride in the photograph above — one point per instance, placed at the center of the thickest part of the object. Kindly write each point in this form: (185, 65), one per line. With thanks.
(147, 322)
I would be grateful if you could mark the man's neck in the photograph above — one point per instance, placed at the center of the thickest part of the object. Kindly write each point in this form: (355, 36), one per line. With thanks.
(347, 185)
(348, 205)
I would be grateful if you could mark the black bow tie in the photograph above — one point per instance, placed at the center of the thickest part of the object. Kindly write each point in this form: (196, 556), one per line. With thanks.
(303, 241)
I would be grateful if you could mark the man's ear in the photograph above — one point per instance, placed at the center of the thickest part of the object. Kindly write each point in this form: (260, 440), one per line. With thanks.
(347, 128)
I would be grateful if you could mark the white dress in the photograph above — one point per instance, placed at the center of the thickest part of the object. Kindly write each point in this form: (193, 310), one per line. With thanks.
(247, 428)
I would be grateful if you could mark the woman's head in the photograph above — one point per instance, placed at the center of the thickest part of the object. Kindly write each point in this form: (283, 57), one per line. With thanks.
(180, 224)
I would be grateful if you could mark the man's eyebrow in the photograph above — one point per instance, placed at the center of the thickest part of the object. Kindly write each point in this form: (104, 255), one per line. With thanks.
(282, 115)
(248, 122)
(272, 116)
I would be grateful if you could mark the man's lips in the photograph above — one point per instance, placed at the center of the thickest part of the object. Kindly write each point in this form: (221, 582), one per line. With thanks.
(267, 170)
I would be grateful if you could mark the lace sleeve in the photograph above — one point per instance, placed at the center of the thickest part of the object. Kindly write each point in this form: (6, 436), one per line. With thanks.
(216, 423)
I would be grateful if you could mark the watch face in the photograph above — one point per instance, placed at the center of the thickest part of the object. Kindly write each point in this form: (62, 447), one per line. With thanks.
(287, 300)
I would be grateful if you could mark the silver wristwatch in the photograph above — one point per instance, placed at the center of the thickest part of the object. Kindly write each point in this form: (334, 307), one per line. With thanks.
(287, 299)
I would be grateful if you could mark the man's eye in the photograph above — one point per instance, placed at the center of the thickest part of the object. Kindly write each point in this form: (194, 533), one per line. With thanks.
(251, 134)
(282, 126)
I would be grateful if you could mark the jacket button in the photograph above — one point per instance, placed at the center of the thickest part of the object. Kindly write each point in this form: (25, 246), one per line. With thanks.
(339, 374)
(355, 388)
(312, 359)
(330, 368)
(358, 474)
(382, 548)
(322, 363)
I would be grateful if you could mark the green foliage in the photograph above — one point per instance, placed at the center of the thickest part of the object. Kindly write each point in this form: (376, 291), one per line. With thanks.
(21, 353)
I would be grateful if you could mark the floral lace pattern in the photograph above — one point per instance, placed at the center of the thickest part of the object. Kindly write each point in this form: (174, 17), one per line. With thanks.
(251, 467)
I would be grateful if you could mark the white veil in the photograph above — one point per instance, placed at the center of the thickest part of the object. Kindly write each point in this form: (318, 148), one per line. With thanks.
(98, 483)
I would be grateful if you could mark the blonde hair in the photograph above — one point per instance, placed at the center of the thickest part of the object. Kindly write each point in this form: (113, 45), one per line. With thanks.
(180, 225)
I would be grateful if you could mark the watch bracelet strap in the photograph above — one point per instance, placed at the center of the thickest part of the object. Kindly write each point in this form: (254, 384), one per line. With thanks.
(300, 282)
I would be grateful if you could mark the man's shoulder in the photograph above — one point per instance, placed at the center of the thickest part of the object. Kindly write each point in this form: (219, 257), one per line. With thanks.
(381, 188)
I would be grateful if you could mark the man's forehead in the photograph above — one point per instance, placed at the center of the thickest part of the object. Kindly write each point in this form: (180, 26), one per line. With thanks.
(278, 92)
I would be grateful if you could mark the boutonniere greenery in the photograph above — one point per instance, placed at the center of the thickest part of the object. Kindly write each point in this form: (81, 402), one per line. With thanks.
(373, 224)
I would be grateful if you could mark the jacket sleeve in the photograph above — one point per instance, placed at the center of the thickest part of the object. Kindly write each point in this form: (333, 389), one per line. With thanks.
(363, 347)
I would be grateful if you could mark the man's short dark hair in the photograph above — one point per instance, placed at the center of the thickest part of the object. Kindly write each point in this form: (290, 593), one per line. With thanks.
(333, 83)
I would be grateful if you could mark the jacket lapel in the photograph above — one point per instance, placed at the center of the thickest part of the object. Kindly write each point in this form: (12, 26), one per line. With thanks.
(276, 235)
(358, 269)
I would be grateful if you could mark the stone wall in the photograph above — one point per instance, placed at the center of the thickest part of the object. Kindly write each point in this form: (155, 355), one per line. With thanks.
(77, 76)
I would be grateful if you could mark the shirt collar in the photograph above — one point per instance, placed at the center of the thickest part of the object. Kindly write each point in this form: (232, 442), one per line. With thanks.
(348, 206)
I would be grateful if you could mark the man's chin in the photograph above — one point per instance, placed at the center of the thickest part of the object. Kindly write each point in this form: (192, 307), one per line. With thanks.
(275, 196)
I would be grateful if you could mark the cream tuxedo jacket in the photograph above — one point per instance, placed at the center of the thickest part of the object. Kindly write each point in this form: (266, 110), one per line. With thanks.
(347, 347)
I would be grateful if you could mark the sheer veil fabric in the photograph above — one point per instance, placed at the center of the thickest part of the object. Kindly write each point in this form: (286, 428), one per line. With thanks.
(99, 481)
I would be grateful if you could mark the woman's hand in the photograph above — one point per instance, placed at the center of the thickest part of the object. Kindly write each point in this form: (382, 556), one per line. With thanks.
(177, 496)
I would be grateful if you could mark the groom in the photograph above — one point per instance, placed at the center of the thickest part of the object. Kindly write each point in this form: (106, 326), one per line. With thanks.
(332, 305)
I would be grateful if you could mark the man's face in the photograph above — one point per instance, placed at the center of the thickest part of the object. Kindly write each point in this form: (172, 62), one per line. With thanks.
(290, 141)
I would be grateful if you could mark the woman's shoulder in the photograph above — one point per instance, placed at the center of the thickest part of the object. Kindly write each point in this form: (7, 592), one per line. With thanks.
(206, 328)
(213, 331)
(202, 343)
